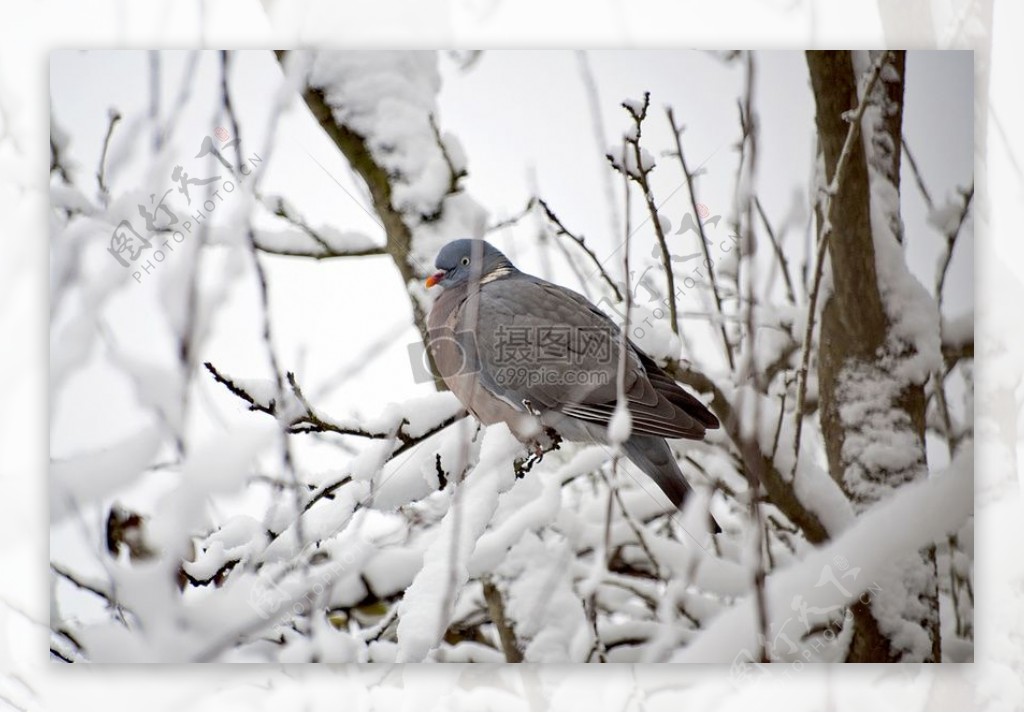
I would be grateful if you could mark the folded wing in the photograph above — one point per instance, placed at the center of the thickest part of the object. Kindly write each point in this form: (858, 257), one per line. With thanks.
(544, 347)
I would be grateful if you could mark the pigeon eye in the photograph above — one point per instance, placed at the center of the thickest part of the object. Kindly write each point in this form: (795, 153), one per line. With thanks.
(464, 261)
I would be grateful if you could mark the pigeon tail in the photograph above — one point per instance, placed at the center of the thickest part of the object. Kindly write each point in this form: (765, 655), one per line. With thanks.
(652, 455)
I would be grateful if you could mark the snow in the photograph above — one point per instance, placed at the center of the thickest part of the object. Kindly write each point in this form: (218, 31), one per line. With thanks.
(635, 106)
(426, 607)
(623, 157)
(913, 313)
(946, 217)
(958, 331)
(390, 99)
(541, 596)
(651, 330)
(239, 538)
(881, 439)
(927, 510)
(546, 540)
(390, 571)
(621, 424)
(531, 504)
(418, 414)
(217, 466)
(88, 477)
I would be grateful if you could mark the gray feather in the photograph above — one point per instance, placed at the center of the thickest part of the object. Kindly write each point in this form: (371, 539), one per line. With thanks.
(471, 324)
(653, 456)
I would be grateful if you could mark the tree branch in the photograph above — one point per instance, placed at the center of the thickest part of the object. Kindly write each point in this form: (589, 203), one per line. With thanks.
(496, 608)
(579, 240)
(692, 190)
(777, 486)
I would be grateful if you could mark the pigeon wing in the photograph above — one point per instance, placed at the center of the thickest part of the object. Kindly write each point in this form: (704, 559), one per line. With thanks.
(543, 347)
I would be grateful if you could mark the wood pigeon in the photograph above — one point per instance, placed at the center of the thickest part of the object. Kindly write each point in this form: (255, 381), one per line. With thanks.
(520, 350)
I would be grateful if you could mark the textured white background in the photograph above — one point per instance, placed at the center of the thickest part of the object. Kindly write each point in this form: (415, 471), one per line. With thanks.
(28, 31)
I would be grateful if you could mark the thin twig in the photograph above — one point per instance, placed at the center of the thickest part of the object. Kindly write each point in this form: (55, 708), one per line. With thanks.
(641, 178)
(310, 421)
(777, 247)
(755, 476)
(454, 175)
(951, 238)
(918, 178)
(599, 135)
(278, 207)
(229, 108)
(86, 586)
(508, 222)
(598, 647)
(287, 458)
(691, 186)
(641, 540)
(578, 239)
(496, 609)
(938, 379)
(101, 174)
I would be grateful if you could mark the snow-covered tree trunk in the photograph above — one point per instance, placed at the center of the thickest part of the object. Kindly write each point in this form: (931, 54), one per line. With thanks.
(875, 349)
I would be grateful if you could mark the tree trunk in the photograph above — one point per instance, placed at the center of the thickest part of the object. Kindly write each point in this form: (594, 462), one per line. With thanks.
(866, 402)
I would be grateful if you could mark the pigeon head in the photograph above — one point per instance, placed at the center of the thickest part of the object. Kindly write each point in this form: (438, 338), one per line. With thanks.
(461, 261)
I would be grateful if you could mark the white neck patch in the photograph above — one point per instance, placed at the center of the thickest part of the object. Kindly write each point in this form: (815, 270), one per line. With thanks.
(494, 275)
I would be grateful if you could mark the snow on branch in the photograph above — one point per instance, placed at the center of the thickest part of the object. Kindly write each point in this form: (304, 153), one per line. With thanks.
(300, 417)
(846, 569)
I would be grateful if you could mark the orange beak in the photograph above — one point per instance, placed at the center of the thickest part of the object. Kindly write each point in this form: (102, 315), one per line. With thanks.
(435, 278)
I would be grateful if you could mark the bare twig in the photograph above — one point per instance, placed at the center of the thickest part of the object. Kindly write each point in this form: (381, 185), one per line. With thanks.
(101, 174)
(578, 239)
(755, 475)
(454, 174)
(777, 247)
(641, 179)
(598, 648)
(312, 422)
(640, 539)
(285, 252)
(951, 237)
(599, 134)
(938, 379)
(225, 58)
(278, 207)
(83, 585)
(918, 178)
(496, 609)
(287, 458)
(508, 222)
(691, 189)
(778, 486)
(57, 162)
